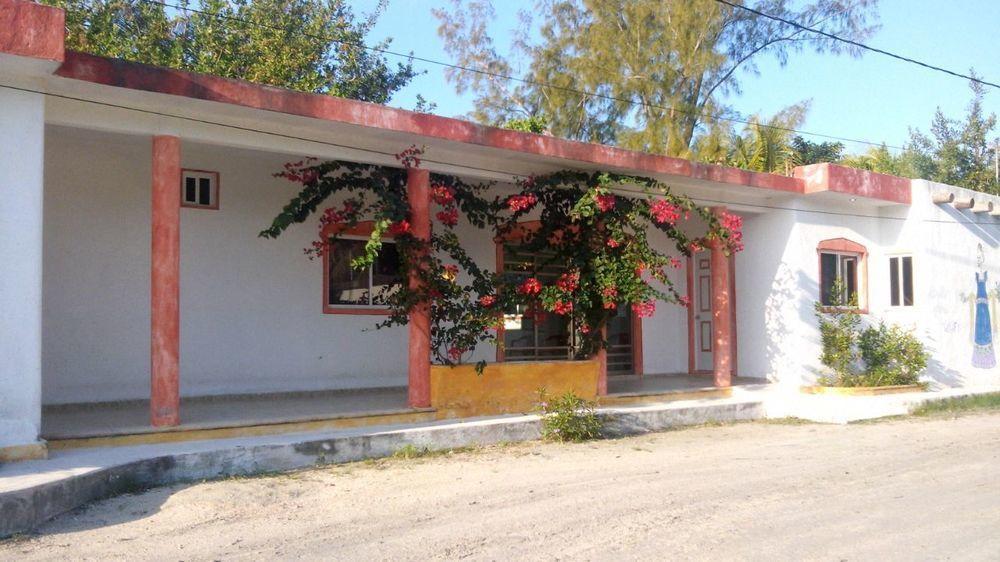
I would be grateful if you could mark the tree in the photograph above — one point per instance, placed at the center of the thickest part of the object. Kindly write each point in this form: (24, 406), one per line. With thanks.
(957, 151)
(808, 152)
(661, 67)
(767, 146)
(304, 45)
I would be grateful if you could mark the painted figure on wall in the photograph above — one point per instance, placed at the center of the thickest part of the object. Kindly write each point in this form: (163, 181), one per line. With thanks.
(982, 350)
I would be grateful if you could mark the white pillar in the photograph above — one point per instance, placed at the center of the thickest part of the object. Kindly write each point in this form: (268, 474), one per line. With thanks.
(22, 132)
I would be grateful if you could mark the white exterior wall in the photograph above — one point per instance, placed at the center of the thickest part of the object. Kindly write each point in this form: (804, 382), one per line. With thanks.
(22, 139)
(251, 308)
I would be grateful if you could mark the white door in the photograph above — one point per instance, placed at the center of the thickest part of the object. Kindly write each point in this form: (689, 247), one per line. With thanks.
(702, 312)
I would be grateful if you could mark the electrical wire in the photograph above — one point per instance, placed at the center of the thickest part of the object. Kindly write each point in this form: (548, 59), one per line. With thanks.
(465, 166)
(530, 82)
(857, 44)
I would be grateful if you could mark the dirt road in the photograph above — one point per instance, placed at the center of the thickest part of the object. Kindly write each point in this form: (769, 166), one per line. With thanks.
(909, 489)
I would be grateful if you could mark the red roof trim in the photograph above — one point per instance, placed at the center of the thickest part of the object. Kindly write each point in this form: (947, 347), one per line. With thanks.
(124, 74)
(31, 30)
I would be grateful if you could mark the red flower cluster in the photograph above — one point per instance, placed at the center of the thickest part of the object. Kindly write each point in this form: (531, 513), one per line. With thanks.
(562, 307)
(531, 286)
(664, 212)
(675, 263)
(487, 300)
(410, 158)
(612, 243)
(334, 216)
(448, 217)
(644, 309)
(605, 202)
(734, 225)
(442, 195)
(694, 247)
(299, 172)
(685, 300)
(609, 294)
(518, 203)
(568, 281)
(455, 353)
(400, 227)
(451, 270)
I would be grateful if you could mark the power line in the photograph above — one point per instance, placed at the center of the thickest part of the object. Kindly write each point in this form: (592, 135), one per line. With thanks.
(857, 44)
(528, 81)
(475, 168)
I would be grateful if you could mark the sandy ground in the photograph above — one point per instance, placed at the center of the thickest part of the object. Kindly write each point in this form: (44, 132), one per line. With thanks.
(910, 489)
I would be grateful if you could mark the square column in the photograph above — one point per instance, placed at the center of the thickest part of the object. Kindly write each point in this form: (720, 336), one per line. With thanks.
(722, 315)
(418, 192)
(22, 157)
(164, 399)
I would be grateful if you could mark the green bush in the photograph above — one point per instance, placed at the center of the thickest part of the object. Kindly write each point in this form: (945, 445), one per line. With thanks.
(568, 418)
(882, 356)
(838, 330)
(892, 356)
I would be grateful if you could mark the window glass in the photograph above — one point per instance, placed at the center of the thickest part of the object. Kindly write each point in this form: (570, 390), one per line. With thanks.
(204, 191)
(894, 281)
(827, 276)
(371, 286)
(190, 190)
(849, 275)
(907, 281)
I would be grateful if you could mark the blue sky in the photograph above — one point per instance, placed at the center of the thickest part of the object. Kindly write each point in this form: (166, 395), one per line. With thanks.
(874, 97)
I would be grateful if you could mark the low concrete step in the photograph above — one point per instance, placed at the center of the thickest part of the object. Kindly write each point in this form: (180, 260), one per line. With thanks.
(32, 492)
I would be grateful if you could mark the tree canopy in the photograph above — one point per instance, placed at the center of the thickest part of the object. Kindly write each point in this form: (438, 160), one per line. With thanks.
(657, 69)
(305, 45)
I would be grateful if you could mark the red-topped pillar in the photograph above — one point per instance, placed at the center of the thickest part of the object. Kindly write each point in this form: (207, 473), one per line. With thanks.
(418, 193)
(722, 363)
(164, 399)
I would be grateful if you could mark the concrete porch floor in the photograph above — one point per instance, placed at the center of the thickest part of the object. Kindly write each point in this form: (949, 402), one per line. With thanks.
(81, 421)
(663, 383)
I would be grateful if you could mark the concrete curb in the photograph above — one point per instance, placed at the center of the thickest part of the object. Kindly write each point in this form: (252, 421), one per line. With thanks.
(23, 509)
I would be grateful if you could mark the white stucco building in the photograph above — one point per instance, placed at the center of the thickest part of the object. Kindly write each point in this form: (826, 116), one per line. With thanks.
(104, 162)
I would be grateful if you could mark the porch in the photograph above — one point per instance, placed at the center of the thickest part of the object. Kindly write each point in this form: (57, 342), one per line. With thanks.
(127, 421)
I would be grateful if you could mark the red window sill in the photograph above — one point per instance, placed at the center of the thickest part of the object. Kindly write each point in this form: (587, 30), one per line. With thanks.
(353, 310)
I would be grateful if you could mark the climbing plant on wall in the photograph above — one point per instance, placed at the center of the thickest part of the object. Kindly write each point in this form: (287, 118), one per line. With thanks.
(595, 226)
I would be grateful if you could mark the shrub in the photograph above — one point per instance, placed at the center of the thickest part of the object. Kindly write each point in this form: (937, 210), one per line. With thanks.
(838, 330)
(892, 356)
(882, 356)
(568, 418)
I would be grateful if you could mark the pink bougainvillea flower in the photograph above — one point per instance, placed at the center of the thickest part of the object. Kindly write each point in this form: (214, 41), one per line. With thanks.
(451, 269)
(455, 353)
(585, 329)
(684, 300)
(518, 203)
(399, 227)
(612, 243)
(644, 309)
(442, 195)
(675, 263)
(605, 202)
(487, 300)
(664, 212)
(694, 247)
(562, 307)
(568, 281)
(609, 292)
(530, 287)
(448, 217)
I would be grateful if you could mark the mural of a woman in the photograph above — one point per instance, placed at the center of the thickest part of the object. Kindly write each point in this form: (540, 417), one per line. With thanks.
(982, 350)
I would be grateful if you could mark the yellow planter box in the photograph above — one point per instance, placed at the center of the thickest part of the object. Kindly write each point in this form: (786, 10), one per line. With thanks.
(506, 388)
(862, 390)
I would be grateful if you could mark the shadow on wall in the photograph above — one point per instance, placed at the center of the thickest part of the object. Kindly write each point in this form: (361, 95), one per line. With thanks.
(787, 312)
(988, 235)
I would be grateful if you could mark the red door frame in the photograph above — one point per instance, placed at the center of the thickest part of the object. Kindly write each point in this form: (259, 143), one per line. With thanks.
(690, 316)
